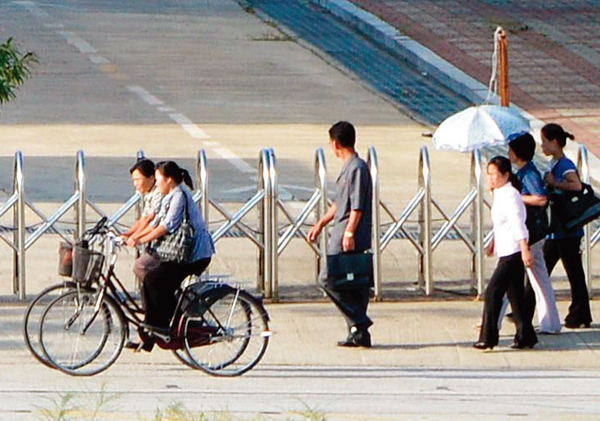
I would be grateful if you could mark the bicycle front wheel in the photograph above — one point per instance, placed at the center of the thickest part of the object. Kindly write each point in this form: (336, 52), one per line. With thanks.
(80, 337)
(230, 337)
(33, 316)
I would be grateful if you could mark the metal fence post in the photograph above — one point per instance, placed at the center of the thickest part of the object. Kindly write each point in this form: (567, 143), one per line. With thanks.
(19, 279)
(202, 183)
(373, 164)
(425, 228)
(321, 185)
(138, 208)
(273, 228)
(265, 220)
(477, 277)
(586, 255)
(81, 188)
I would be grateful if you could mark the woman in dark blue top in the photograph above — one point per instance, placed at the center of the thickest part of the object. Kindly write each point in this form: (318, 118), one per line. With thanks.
(561, 244)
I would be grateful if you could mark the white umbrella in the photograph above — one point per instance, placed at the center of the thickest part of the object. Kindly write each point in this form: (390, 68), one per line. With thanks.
(479, 126)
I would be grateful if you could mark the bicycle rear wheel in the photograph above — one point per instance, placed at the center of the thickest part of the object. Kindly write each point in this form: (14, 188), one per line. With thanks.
(78, 339)
(33, 317)
(230, 337)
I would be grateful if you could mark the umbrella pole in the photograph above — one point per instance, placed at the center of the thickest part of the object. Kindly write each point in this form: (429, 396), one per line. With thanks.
(503, 65)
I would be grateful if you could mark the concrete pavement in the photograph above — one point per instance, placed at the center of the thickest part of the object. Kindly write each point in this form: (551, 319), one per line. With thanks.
(421, 366)
(246, 86)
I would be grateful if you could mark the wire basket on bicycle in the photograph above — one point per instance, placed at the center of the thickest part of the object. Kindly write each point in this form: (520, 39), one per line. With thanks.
(87, 264)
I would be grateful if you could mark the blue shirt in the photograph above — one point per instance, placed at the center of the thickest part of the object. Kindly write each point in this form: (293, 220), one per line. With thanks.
(559, 170)
(171, 214)
(533, 185)
(531, 180)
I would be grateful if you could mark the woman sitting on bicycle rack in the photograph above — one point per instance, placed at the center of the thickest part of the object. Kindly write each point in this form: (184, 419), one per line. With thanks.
(179, 245)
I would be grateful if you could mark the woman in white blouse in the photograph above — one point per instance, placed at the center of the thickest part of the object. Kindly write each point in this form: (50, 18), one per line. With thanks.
(510, 245)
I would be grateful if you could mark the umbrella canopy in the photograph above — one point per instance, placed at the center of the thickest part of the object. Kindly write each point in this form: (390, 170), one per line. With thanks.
(477, 127)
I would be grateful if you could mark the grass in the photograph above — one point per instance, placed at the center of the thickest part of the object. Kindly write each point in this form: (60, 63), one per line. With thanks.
(270, 36)
(102, 405)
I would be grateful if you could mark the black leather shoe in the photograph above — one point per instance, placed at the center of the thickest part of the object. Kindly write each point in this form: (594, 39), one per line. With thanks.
(573, 325)
(348, 343)
(133, 345)
(147, 345)
(363, 339)
(357, 338)
(482, 345)
(517, 345)
(157, 329)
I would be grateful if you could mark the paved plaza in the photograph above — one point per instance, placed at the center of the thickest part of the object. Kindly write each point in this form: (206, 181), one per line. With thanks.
(231, 77)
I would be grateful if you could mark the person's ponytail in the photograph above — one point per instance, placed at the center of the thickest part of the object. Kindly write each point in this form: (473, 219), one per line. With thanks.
(187, 179)
(514, 180)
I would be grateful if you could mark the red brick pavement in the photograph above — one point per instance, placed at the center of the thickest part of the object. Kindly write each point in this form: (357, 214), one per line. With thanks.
(553, 45)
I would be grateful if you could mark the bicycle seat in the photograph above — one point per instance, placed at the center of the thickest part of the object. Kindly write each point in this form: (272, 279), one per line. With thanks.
(200, 295)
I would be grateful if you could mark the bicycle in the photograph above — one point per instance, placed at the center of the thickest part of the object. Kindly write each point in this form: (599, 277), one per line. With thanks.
(217, 328)
(34, 311)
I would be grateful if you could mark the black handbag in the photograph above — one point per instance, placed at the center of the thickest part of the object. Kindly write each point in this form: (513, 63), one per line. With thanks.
(537, 223)
(349, 270)
(176, 246)
(570, 210)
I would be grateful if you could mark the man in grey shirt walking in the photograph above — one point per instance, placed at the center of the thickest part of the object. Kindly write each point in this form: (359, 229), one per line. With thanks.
(351, 232)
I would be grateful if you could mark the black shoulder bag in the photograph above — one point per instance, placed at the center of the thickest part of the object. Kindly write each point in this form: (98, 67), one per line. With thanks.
(572, 210)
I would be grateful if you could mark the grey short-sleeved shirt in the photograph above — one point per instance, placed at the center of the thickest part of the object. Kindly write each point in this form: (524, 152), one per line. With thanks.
(152, 201)
(353, 192)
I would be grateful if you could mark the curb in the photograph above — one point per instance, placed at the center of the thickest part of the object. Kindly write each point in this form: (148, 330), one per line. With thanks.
(425, 60)
(393, 40)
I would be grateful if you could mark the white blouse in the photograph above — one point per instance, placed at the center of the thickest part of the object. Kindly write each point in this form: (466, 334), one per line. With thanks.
(508, 217)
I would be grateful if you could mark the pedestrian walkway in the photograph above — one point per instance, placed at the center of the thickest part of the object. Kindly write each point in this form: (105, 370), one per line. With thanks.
(553, 47)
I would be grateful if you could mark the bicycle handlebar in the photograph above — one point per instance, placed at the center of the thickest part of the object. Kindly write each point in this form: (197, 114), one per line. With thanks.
(96, 229)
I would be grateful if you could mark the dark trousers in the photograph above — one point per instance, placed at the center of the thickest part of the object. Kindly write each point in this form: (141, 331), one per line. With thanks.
(352, 303)
(506, 279)
(159, 286)
(567, 250)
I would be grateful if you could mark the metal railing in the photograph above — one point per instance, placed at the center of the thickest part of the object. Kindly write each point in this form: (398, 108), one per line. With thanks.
(427, 240)
(265, 198)
(590, 239)
(78, 201)
(317, 204)
(271, 240)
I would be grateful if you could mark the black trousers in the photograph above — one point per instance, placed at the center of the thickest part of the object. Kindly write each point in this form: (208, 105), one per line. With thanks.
(567, 250)
(159, 286)
(353, 304)
(506, 279)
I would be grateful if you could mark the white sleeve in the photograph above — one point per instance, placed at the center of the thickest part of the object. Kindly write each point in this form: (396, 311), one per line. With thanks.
(517, 214)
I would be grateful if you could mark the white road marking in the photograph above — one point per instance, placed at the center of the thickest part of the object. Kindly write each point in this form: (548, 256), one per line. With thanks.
(54, 25)
(96, 59)
(186, 124)
(189, 126)
(146, 96)
(33, 9)
(75, 40)
(234, 160)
